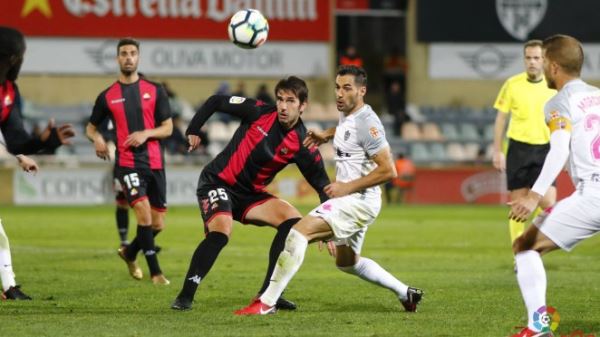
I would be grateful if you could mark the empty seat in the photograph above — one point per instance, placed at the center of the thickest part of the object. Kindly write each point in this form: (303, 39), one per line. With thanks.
(488, 132)
(450, 132)
(431, 132)
(468, 131)
(218, 131)
(438, 152)
(456, 152)
(471, 151)
(411, 131)
(419, 153)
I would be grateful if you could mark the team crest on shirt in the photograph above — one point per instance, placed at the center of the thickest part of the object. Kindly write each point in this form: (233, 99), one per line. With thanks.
(374, 132)
(205, 205)
(346, 135)
(236, 100)
(146, 96)
(7, 100)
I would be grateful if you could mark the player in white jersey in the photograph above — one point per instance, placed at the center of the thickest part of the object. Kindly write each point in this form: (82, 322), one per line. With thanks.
(573, 116)
(363, 162)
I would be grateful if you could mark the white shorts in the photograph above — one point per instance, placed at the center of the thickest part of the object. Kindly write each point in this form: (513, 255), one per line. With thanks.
(349, 218)
(574, 218)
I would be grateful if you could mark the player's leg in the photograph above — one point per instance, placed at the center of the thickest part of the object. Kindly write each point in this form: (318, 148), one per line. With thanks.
(145, 237)
(348, 260)
(121, 211)
(571, 220)
(281, 215)
(215, 205)
(308, 229)
(10, 290)
(516, 228)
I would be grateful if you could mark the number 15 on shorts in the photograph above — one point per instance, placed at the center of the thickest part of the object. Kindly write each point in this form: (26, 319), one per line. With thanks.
(132, 181)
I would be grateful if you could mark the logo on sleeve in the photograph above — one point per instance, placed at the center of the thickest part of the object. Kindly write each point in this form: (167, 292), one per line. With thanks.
(346, 135)
(236, 100)
(374, 132)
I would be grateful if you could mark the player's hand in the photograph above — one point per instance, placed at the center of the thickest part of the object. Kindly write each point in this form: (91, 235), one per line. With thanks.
(337, 189)
(521, 209)
(101, 149)
(330, 247)
(499, 161)
(64, 132)
(194, 142)
(314, 138)
(136, 139)
(27, 164)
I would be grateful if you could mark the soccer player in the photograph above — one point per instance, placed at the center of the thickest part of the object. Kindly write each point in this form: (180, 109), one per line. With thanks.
(19, 141)
(363, 161)
(232, 186)
(139, 110)
(523, 97)
(573, 116)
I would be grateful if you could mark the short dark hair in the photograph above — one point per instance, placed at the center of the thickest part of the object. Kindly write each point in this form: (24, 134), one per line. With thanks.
(126, 42)
(566, 51)
(12, 42)
(295, 85)
(360, 75)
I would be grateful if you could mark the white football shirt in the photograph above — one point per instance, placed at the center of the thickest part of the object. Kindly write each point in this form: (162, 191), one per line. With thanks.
(357, 138)
(579, 102)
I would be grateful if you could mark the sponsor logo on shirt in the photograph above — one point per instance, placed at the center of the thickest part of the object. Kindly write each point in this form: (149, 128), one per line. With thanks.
(346, 135)
(237, 100)
(374, 132)
(118, 100)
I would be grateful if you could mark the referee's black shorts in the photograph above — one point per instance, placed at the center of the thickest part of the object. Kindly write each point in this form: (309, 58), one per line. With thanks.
(524, 163)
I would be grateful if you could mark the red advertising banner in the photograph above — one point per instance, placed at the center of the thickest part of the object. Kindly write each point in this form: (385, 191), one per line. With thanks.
(289, 20)
(468, 185)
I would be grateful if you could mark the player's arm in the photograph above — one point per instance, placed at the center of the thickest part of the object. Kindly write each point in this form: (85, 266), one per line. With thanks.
(310, 163)
(234, 105)
(27, 164)
(19, 141)
(502, 105)
(99, 114)
(316, 138)
(499, 160)
(384, 171)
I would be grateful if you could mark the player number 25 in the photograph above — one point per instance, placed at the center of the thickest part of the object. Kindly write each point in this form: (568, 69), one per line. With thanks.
(217, 194)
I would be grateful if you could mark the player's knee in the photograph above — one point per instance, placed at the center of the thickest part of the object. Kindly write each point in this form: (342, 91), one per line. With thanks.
(217, 239)
(519, 245)
(347, 269)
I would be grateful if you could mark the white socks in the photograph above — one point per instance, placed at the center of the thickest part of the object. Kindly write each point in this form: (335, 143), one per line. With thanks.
(531, 276)
(6, 272)
(288, 263)
(369, 270)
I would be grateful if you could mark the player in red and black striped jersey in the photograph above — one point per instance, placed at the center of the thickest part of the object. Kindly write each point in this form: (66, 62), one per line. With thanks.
(18, 141)
(140, 112)
(232, 186)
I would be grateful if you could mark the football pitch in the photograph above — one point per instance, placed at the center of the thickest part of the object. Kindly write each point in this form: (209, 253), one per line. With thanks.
(65, 258)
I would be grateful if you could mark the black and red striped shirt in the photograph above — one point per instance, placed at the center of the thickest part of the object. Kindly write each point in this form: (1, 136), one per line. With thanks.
(18, 140)
(260, 147)
(134, 107)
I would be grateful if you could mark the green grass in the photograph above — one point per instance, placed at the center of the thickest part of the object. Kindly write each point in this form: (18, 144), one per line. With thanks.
(460, 255)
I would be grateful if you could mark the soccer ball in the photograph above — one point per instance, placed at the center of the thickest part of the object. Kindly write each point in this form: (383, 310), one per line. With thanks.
(248, 29)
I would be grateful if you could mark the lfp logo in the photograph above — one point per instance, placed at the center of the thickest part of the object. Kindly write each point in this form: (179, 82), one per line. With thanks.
(546, 319)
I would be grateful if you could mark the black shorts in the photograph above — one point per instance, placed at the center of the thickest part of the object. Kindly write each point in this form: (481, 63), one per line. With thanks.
(524, 163)
(140, 184)
(215, 199)
(120, 197)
